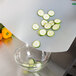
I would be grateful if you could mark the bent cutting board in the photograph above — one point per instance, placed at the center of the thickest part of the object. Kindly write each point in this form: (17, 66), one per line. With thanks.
(19, 15)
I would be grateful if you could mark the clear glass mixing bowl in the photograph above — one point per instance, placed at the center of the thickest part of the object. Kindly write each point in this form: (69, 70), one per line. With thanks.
(31, 59)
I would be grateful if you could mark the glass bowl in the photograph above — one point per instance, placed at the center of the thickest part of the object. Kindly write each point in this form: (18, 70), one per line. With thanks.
(31, 59)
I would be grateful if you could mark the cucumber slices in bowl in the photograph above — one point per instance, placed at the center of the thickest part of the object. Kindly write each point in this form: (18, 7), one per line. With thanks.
(32, 64)
(25, 65)
(38, 65)
(31, 61)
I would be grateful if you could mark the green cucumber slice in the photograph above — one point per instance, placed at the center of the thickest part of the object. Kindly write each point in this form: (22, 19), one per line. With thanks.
(43, 22)
(42, 32)
(56, 27)
(31, 61)
(38, 65)
(47, 26)
(28, 65)
(51, 22)
(50, 33)
(25, 65)
(51, 13)
(35, 26)
(36, 44)
(57, 21)
(40, 12)
(46, 16)
(32, 65)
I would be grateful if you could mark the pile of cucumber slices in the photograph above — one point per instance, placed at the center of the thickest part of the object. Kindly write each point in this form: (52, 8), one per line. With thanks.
(33, 64)
(49, 26)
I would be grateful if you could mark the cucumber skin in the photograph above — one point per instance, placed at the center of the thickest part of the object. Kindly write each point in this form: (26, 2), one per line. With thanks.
(56, 29)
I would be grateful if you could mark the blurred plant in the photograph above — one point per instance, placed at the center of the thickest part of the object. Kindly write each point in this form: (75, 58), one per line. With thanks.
(1, 26)
(0, 36)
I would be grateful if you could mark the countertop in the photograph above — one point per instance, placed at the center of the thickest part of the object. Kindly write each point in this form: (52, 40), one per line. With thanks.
(8, 66)
(57, 65)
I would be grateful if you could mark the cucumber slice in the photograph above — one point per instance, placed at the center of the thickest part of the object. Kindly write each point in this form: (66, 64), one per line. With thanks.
(47, 26)
(50, 33)
(42, 32)
(31, 61)
(46, 16)
(36, 44)
(25, 65)
(40, 12)
(38, 65)
(32, 66)
(35, 26)
(56, 27)
(57, 21)
(43, 22)
(28, 65)
(51, 13)
(51, 22)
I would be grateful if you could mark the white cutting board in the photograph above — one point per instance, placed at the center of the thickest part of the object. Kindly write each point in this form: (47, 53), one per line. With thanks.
(19, 15)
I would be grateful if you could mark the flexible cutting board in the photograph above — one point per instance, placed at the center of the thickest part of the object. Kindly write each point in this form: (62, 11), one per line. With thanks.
(19, 15)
